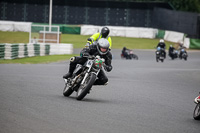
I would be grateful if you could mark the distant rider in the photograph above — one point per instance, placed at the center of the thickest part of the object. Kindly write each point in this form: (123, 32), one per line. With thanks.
(101, 49)
(162, 45)
(124, 52)
(171, 51)
(103, 34)
(180, 49)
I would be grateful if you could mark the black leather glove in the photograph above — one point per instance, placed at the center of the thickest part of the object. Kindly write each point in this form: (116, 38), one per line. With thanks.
(91, 57)
(107, 68)
(87, 44)
(85, 54)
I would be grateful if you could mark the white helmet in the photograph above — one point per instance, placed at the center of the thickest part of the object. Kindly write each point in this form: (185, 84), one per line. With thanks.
(161, 40)
(103, 46)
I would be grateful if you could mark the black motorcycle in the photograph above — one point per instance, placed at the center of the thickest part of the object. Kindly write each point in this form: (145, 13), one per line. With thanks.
(183, 54)
(83, 77)
(173, 55)
(196, 114)
(130, 55)
(160, 55)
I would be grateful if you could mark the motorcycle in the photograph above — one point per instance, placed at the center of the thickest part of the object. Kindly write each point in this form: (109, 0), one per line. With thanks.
(184, 54)
(196, 114)
(160, 55)
(174, 54)
(83, 77)
(130, 55)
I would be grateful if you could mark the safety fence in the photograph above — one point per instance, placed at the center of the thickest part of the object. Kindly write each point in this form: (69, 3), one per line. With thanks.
(65, 29)
(13, 51)
(179, 37)
(26, 27)
(136, 32)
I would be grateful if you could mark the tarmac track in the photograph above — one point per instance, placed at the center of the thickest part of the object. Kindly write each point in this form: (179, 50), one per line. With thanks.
(142, 96)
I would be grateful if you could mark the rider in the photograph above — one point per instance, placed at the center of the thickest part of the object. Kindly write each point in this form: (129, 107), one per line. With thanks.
(124, 52)
(162, 45)
(171, 51)
(180, 48)
(101, 49)
(103, 34)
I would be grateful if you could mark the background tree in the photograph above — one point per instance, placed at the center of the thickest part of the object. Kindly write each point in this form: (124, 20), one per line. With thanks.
(186, 5)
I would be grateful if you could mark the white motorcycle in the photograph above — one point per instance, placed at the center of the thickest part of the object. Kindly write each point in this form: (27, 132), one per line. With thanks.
(196, 114)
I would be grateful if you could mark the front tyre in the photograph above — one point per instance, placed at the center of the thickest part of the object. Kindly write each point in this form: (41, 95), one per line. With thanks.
(85, 88)
(67, 91)
(134, 56)
(185, 58)
(196, 114)
(157, 58)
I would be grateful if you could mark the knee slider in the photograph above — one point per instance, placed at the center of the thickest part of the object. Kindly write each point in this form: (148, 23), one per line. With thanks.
(72, 59)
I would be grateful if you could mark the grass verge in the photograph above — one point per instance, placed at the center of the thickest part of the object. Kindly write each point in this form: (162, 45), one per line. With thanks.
(78, 41)
(38, 59)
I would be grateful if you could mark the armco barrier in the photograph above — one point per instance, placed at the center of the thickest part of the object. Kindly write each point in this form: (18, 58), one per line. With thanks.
(13, 51)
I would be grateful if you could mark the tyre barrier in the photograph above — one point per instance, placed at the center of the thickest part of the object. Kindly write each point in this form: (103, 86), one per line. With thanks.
(21, 50)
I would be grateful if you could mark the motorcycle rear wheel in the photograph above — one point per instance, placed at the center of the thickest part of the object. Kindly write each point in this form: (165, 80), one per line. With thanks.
(196, 114)
(85, 88)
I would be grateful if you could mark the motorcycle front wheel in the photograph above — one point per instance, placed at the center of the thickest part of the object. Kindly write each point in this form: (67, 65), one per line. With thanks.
(67, 91)
(196, 114)
(185, 58)
(134, 56)
(157, 59)
(85, 88)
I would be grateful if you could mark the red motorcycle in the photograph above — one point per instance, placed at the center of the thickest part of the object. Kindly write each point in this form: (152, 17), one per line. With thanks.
(129, 55)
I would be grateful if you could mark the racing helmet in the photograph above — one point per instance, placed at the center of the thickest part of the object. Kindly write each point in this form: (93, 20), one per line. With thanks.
(103, 46)
(162, 41)
(104, 32)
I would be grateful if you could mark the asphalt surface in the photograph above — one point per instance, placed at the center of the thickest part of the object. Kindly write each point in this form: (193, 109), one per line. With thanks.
(142, 96)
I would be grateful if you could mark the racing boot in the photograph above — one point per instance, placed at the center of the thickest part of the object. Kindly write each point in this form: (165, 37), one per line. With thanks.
(68, 75)
(71, 70)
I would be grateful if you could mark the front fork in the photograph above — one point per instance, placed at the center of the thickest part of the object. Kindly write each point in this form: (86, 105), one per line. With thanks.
(86, 75)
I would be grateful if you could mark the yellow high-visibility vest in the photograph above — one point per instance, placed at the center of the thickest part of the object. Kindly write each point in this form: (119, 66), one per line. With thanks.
(97, 36)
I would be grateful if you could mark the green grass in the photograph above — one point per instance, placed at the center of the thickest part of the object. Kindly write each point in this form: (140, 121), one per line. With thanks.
(14, 37)
(38, 59)
(78, 41)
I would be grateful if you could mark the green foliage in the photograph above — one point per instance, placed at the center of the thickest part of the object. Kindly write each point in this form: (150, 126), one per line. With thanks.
(186, 5)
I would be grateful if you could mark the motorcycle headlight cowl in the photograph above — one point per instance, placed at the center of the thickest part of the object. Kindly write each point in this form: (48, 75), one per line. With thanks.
(98, 63)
